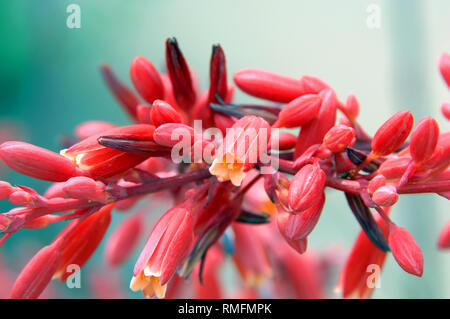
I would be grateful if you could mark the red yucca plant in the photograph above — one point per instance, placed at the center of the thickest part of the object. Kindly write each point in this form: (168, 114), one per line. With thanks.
(246, 190)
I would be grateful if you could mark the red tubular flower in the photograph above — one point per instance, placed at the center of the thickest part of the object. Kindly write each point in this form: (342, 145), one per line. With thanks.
(244, 143)
(85, 188)
(357, 278)
(250, 256)
(405, 250)
(172, 133)
(424, 139)
(300, 226)
(392, 134)
(444, 67)
(83, 240)
(268, 85)
(86, 129)
(300, 245)
(162, 112)
(299, 111)
(37, 162)
(146, 79)
(180, 76)
(38, 272)
(306, 187)
(98, 160)
(385, 196)
(314, 131)
(444, 237)
(123, 94)
(445, 109)
(338, 138)
(122, 241)
(166, 249)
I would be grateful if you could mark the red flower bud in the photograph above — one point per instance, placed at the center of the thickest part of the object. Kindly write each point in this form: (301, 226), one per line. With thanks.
(83, 240)
(299, 245)
(299, 111)
(306, 187)
(98, 160)
(286, 141)
(385, 196)
(180, 75)
(445, 109)
(444, 67)
(314, 131)
(146, 79)
(424, 139)
(375, 183)
(268, 85)
(37, 162)
(162, 113)
(85, 188)
(339, 137)
(86, 129)
(123, 94)
(405, 250)
(37, 273)
(122, 241)
(217, 75)
(444, 237)
(301, 225)
(392, 134)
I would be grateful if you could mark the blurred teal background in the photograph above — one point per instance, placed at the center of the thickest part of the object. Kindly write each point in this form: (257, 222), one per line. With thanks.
(49, 82)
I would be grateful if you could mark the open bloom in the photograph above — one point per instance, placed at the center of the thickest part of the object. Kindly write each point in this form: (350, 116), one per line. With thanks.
(165, 250)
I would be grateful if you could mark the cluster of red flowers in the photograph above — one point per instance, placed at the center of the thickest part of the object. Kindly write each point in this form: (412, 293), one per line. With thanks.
(229, 203)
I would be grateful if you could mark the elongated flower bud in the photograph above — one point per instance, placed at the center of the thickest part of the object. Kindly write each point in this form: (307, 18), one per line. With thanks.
(37, 273)
(86, 129)
(301, 225)
(339, 138)
(162, 113)
(244, 143)
(286, 141)
(37, 162)
(122, 241)
(306, 187)
(146, 79)
(424, 139)
(405, 250)
(392, 134)
(385, 196)
(123, 94)
(314, 131)
(444, 237)
(375, 183)
(445, 109)
(268, 85)
(99, 160)
(299, 111)
(165, 250)
(85, 188)
(81, 242)
(444, 67)
(180, 75)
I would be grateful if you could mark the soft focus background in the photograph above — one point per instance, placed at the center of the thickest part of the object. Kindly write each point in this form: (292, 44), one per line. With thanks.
(49, 82)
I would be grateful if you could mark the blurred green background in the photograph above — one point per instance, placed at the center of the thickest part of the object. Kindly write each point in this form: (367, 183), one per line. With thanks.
(49, 82)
